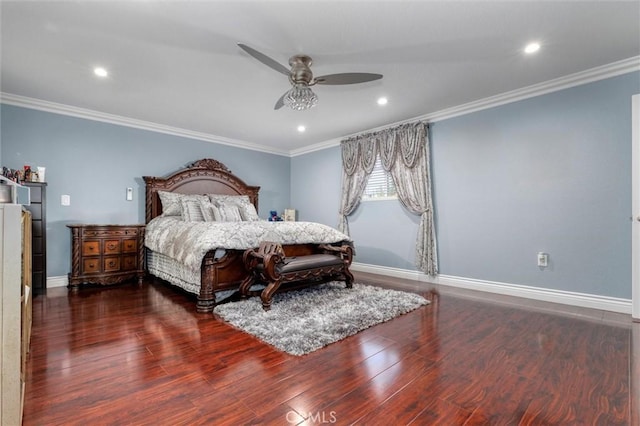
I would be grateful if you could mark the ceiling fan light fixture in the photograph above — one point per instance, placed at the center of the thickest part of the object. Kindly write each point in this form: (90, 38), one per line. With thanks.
(300, 97)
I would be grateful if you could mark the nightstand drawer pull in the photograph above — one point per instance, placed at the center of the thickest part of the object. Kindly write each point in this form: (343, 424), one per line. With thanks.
(111, 264)
(112, 246)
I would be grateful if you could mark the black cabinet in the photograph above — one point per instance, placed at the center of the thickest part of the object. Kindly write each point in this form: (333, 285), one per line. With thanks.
(38, 209)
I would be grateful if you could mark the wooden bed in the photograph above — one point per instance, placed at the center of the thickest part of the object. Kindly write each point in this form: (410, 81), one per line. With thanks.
(208, 176)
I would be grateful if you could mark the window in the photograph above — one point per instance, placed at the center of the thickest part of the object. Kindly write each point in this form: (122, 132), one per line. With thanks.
(380, 185)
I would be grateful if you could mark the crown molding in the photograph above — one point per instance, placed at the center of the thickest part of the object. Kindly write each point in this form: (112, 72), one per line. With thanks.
(614, 69)
(315, 147)
(62, 109)
(588, 76)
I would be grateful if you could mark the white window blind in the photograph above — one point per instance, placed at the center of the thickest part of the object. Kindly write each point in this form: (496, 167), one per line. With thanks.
(380, 184)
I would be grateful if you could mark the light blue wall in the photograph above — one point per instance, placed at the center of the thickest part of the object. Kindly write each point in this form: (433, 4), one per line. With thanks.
(550, 173)
(315, 186)
(95, 162)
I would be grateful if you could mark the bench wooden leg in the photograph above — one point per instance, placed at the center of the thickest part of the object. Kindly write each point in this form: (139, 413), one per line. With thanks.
(348, 278)
(268, 293)
(246, 285)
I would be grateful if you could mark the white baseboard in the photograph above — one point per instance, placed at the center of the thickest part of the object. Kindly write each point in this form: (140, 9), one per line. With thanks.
(61, 281)
(582, 300)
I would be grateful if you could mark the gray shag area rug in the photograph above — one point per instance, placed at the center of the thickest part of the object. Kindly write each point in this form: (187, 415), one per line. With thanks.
(305, 320)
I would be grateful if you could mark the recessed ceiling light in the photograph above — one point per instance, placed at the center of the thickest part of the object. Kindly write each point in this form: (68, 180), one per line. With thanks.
(301, 128)
(382, 101)
(100, 72)
(532, 48)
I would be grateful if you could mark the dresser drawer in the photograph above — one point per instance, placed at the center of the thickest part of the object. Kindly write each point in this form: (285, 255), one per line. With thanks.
(111, 264)
(129, 246)
(91, 265)
(129, 263)
(111, 247)
(38, 228)
(91, 248)
(35, 193)
(36, 211)
(106, 233)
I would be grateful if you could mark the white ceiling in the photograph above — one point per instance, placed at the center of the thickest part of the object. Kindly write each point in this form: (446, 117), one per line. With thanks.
(178, 64)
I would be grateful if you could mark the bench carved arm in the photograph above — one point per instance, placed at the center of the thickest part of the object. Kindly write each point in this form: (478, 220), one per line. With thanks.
(272, 264)
(258, 255)
(261, 263)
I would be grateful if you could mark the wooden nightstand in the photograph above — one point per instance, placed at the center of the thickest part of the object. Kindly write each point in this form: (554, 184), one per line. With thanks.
(106, 254)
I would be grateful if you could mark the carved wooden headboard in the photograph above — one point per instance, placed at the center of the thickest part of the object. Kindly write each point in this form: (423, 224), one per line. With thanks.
(206, 176)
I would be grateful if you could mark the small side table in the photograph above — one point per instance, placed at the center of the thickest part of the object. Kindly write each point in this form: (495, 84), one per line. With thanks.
(106, 254)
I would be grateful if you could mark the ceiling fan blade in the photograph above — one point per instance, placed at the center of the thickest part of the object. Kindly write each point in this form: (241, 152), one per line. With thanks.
(265, 59)
(347, 78)
(280, 102)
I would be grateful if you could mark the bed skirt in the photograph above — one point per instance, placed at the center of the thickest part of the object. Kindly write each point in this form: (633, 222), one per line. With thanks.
(174, 272)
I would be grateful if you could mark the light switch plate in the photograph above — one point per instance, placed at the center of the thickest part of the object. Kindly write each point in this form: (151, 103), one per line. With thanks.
(129, 194)
(543, 259)
(65, 200)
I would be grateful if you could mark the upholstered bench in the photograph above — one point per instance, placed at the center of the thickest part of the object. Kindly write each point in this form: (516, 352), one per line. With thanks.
(269, 264)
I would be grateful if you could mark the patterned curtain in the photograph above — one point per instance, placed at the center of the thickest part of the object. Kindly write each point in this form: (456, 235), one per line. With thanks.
(358, 159)
(404, 153)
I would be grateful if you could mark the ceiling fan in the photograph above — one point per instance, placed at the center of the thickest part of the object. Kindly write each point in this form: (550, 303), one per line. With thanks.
(300, 96)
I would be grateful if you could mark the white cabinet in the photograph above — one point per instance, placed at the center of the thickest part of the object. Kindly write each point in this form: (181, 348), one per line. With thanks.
(13, 301)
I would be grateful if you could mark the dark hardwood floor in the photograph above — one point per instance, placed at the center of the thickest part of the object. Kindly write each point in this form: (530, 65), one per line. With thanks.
(129, 355)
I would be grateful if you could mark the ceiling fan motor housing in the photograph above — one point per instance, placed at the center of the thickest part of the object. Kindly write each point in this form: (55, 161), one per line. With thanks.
(300, 70)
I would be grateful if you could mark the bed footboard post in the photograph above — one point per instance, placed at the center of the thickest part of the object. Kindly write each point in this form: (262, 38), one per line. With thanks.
(207, 297)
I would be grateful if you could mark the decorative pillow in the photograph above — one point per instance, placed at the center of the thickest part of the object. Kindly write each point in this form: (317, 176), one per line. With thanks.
(210, 211)
(247, 209)
(248, 212)
(171, 202)
(230, 213)
(191, 211)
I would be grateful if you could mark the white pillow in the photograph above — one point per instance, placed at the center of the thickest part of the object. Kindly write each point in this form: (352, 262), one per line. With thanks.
(171, 202)
(230, 213)
(248, 212)
(191, 211)
(247, 209)
(210, 211)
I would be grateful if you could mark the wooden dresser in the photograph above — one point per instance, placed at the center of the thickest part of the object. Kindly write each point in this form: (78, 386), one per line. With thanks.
(106, 254)
(38, 209)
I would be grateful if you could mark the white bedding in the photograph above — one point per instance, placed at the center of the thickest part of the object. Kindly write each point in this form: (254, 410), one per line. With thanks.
(188, 242)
